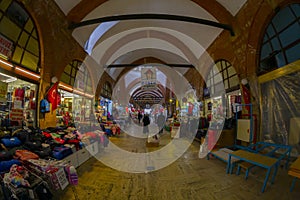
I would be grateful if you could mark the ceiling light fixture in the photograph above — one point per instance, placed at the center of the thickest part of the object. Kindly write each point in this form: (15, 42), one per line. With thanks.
(27, 72)
(10, 78)
(6, 63)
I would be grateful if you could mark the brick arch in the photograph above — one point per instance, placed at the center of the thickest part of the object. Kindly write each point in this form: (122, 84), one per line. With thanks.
(163, 91)
(261, 20)
(141, 61)
(55, 65)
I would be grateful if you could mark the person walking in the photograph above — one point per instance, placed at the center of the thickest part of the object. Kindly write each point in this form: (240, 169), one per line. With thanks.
(140, 116)
(146, 122)
(161, 122)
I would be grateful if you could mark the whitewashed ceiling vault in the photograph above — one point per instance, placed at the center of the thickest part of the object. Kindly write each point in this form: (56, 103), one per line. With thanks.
(123, 42)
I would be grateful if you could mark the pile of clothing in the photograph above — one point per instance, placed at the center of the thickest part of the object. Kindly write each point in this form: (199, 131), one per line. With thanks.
(17, 176)
(19, 183)
(54, 142)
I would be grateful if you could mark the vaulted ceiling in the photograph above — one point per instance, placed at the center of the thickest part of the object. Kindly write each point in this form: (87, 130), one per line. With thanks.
(126, 41)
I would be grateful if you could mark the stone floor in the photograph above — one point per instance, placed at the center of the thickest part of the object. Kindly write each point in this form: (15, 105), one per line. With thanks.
(187, 178)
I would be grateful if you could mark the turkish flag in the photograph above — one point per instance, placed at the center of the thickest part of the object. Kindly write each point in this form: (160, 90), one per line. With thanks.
(247, 96)
(52, 96)
(58, 98)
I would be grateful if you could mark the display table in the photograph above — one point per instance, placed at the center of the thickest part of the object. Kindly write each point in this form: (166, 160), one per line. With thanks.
(81, 156)
(278, 151)
(255, 159)
(222, 154)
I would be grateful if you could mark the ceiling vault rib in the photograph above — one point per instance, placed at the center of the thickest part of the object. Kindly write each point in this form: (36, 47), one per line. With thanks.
(153, 16)
(136, 65)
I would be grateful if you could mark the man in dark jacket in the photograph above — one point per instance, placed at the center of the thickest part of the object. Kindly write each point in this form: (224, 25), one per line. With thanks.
(140, 116)
(146, 122)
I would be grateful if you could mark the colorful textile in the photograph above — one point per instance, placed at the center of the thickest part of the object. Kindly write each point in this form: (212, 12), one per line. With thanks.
(72, 175)
(25, 155)
(17, 176)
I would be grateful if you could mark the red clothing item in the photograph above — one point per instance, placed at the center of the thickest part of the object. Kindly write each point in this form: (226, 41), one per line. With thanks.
(75, 142)
(61, 141)
(190, 108)
(47, 135)
(92, 135)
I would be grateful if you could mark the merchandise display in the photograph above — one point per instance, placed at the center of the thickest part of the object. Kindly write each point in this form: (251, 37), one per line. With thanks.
(35, 163)
(18, 104)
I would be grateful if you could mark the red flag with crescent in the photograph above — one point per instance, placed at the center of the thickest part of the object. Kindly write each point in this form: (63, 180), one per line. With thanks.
(247, 96)
(53, 96)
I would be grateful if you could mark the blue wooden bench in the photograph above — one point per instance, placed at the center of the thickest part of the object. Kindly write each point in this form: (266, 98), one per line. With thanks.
(222, 154)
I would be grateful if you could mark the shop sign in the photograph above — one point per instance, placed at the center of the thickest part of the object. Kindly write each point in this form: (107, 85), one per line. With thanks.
(16, 114)
(148, 78)
(6, 46)
(3, 91)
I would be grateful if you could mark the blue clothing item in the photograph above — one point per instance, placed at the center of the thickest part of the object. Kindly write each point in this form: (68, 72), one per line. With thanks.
(45, 106)
(11, 142)
(6, 165)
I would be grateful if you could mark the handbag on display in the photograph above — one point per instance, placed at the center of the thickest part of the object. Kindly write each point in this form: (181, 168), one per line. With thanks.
(33, 146)
(61, 152)
(11, 142)
(44, 106)
(43, 152)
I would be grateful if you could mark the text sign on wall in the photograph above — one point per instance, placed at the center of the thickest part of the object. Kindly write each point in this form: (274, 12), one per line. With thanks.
(6, 47)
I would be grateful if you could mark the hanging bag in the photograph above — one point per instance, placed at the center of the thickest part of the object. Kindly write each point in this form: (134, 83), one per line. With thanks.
(44, 106)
